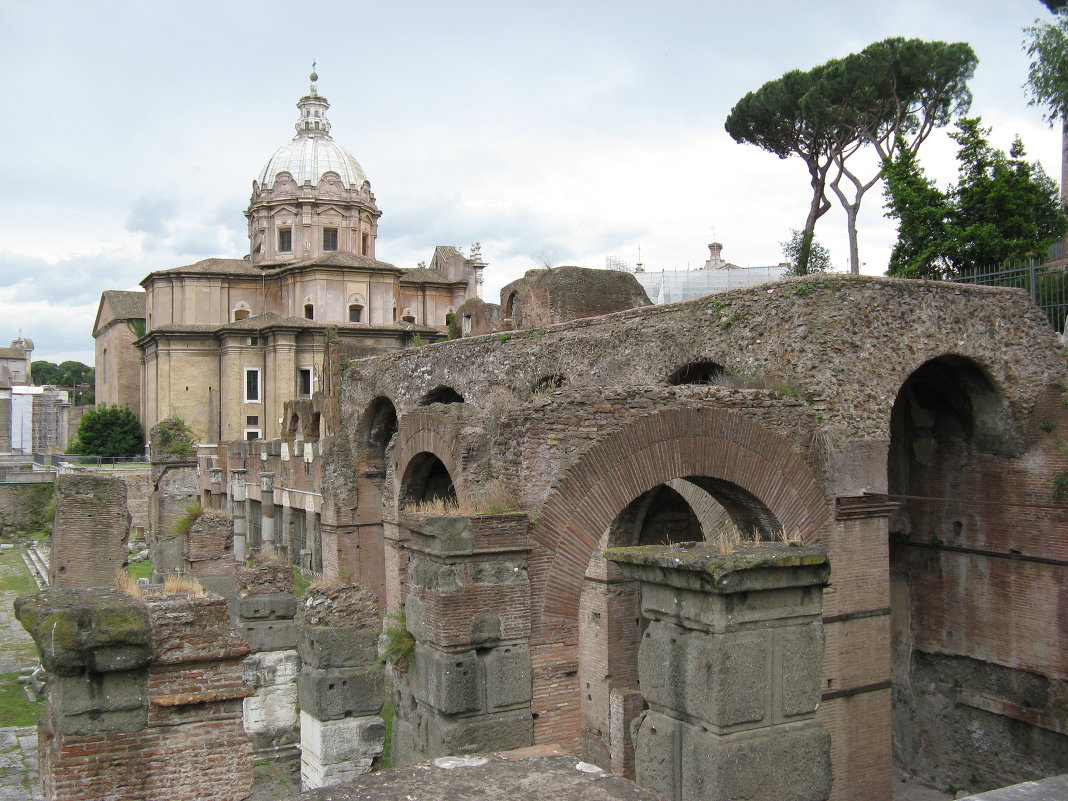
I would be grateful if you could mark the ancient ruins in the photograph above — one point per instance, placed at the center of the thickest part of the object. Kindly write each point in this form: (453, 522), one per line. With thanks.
(812, 526)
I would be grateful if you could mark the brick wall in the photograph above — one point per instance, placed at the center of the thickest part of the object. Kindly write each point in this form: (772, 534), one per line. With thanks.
(90, 532)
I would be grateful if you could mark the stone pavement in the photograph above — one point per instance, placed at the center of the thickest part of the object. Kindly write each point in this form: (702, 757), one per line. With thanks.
(18, 764)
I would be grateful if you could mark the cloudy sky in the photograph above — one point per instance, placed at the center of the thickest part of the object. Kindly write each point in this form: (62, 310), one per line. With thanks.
(568, 131)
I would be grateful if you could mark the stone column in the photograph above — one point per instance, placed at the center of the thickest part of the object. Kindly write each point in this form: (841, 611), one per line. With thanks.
(469, 681)
(341, 687)
(266, 607)
(267, 509)
(238, 498)
(731, 667)
(215, 487)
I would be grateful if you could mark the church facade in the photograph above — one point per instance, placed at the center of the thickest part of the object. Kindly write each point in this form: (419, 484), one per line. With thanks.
(224, 343)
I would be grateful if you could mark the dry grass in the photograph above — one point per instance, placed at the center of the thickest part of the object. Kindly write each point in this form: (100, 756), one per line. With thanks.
(179, 583)
(491, 499)
(127, 584)
(267, 555)
(320, 581)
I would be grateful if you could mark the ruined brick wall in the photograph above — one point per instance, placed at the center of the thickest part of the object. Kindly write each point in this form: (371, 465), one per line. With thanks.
(145, 701)
(563, 294)
(982, 665)
(209, 545)
(22, 507)
(91, 529)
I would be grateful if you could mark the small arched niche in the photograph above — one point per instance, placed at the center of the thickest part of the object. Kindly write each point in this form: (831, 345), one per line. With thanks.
(426, 480)
(379, 427)
(442, 394)
(702, 372)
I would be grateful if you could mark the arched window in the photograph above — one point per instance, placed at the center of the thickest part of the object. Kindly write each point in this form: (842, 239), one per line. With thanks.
(309, 311)
(241, 311)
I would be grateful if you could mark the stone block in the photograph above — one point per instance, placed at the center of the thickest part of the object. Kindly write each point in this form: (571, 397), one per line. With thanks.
(314, 775)
(656, 742)
(509, 677)
(719, 613)
(98, 692)
(338, 646)
(269, 635)
(802, 668)
(99, 630)
(99, 702)
(271, 668)
(791, 762)
(446, 534)
(270, 716)
(499, 731)
(485, 628)
(443, 577)
(720, 679)
(333, 741)
(268, 606)
(448, 683)
(402, 749)
(339, 692)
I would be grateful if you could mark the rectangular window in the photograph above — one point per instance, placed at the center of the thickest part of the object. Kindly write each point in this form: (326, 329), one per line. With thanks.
(285, 240)
(252, 385)
(354, 313)
(254, 340)
(304, 382)
(252, 420)
(329, 239)
(252, 433)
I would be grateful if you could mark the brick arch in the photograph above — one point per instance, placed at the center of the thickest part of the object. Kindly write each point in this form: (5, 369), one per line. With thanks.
(649, 451)
(423, 432)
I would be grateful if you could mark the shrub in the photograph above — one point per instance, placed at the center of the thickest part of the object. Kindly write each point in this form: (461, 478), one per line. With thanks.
(109, 431)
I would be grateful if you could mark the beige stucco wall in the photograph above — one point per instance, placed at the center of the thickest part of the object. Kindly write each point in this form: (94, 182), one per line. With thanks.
(118, 366)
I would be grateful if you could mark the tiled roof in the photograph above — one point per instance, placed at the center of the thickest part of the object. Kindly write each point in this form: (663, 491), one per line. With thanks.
(12, 353)
(126, 305)
(217, 267)
(425, 275)
(261, 322)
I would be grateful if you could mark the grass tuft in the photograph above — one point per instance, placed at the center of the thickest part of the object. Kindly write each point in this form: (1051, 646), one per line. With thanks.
(179, 583)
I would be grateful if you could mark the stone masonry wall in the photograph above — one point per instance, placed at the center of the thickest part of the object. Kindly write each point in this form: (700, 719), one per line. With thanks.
(90, 532)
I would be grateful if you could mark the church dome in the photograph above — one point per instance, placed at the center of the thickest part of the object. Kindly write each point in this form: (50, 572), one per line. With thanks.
(312, 153)
(309, 159)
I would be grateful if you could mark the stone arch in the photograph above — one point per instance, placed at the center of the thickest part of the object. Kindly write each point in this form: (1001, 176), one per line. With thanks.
(377, 427)
(424, 433)
(426, 478)
(241, 311)
(652, 450)
(952, 435)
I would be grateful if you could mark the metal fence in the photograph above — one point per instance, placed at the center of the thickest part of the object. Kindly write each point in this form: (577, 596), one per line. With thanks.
(1048, 286)
(57, 459)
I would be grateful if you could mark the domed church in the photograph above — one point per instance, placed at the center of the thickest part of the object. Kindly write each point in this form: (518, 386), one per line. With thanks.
(223, 343)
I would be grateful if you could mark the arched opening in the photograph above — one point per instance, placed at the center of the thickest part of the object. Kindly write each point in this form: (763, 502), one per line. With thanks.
(950, 429)
(509, 305)
(703, 372)
(241, 311)
(309, 311)
(547, 383)
(426, 480)
(441, 394)
(380, 426)
(610, 626)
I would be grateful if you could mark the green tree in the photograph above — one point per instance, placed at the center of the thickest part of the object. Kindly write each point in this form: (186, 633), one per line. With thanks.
(71, 375)
(922, 211)
(1002, 208)
(1047, 77)
(897, 90)
(893, 93)
(109, 431)
(772, 118)
(819, 258)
